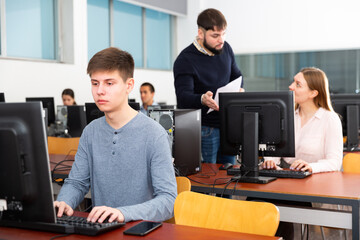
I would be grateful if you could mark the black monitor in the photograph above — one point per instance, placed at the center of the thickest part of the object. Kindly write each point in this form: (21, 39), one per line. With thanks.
(25, 183)
(348, 106)
(48, 103)
(92, 112)
(135, 105)
(253, 123)
(72, 119)
(2, 97)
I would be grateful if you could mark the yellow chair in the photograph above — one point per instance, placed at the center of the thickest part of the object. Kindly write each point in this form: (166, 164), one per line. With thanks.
(200, 210)
(183, 184)
(66, 146)
(351, 163)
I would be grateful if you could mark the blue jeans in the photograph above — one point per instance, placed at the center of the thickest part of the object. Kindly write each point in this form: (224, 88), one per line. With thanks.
(210, 147)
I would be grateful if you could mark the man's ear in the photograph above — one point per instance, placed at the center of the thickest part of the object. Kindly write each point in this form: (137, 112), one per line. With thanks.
(201, 33)
(129, 85)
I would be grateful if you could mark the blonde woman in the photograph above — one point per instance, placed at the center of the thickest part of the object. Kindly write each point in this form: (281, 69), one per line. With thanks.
(318, 130)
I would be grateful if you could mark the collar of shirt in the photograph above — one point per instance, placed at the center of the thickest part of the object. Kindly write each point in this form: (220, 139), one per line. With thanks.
(319, 113)
(200, 48)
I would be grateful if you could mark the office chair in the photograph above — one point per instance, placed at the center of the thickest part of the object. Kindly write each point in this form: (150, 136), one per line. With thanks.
(183, 184)
(351, 163)
(65, 146)
(200, 210)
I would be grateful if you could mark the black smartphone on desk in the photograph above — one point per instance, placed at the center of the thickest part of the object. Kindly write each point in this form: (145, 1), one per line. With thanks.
(143, 228)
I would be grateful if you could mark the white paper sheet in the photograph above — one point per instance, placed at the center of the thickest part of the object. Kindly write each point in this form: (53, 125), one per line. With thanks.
(233, 86)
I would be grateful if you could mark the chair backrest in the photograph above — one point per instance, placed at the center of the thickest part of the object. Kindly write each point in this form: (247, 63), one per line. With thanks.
(58, 145)
(351, 163)
(183, 184)
(200, 210)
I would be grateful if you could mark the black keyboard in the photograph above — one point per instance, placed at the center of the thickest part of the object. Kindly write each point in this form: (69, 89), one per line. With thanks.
(67, 224)
(283, 173)
(274, 173)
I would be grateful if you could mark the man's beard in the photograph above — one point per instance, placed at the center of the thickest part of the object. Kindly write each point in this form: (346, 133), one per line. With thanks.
(211, 49)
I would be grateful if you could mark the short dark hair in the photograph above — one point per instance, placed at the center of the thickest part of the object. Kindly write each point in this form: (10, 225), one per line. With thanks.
(112, 59)
(211, 18)
(152, 89)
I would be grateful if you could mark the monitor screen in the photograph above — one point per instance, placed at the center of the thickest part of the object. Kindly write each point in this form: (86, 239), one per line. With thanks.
(348, 107)
(76, 120)
(48, 103)
(24, 164)
(92, 112)
(257, 122)
(2, 97)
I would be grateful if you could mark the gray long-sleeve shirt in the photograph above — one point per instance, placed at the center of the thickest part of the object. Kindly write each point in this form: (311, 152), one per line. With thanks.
(128, 168)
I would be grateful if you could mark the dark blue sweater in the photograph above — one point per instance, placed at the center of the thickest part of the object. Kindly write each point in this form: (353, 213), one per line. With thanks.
(196, 73)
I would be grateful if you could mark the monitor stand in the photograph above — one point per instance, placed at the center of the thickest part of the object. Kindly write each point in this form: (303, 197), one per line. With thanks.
(249, 170)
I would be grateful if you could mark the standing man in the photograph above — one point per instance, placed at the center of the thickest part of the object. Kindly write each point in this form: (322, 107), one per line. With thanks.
(147, 92)
(200, 69)
(124, 157)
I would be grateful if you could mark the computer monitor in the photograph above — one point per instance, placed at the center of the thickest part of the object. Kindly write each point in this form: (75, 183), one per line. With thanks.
(72, 118)
(24, 165)
(2, 97)
(135, 105)
(48, 103)
(254, 122)
(348, 107)
(92, 112)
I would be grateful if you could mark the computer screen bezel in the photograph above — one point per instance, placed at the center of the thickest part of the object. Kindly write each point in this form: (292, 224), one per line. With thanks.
(48, 103)
(30, 165)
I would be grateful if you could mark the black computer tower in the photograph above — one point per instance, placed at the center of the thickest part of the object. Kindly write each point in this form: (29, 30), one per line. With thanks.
(184, 129)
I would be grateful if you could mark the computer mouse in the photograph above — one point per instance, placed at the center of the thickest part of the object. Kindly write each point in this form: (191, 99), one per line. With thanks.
(225, 166)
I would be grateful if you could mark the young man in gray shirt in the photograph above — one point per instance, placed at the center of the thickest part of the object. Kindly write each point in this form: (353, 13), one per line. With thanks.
(124, 157)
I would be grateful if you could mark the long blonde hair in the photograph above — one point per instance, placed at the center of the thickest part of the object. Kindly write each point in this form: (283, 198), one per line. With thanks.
(317, 80)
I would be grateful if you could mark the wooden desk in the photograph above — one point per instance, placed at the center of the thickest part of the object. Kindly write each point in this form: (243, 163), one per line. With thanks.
(333, 188)
(167, 232)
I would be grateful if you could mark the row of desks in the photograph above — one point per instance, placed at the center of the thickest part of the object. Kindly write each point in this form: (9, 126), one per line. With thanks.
(333, 188)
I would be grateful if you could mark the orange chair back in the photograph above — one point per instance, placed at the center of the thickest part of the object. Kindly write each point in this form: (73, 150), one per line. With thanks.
(351, 163)
(200, 210)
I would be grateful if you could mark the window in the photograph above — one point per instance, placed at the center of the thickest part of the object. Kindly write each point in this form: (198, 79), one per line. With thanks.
(275, 71)
(144, 33)
(29, 29)
(98, 26)
(128, 30)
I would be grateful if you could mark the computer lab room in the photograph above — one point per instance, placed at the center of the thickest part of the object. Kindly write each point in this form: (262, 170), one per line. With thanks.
(179, 119)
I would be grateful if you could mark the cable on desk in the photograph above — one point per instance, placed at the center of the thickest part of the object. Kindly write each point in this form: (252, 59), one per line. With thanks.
(206, 174)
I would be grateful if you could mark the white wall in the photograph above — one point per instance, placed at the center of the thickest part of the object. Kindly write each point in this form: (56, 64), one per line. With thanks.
(253, 26)
(290, 25)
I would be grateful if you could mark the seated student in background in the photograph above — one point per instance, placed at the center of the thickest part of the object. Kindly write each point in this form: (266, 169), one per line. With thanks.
(124, 157)
(147, 92)
(68, 97)
(318, 130)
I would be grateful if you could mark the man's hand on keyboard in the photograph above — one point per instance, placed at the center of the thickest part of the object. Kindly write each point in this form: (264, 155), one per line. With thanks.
(300, 165)
(102, 213)
(63, 208)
